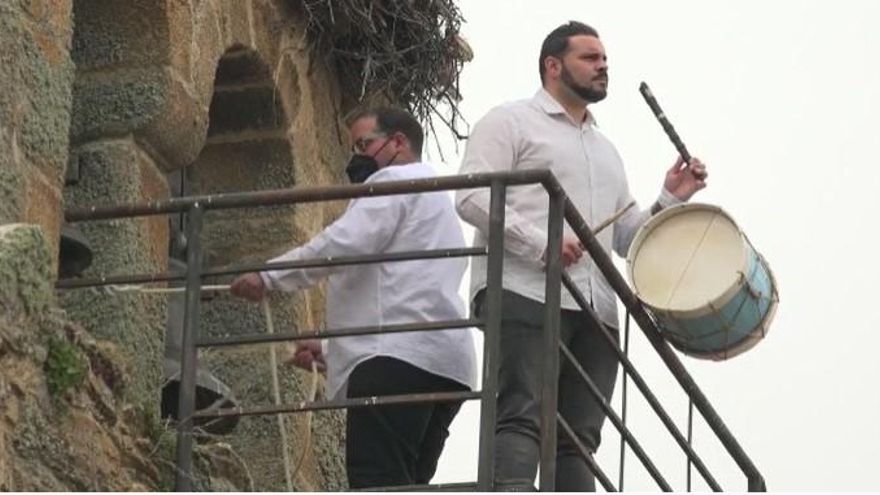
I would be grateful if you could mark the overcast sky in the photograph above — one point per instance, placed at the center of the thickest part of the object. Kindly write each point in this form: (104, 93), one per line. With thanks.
(780, 99)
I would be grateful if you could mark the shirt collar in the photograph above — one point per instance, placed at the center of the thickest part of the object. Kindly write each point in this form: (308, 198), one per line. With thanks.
(552, 107)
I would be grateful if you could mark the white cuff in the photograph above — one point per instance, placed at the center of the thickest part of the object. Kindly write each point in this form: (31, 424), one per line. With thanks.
(542, 251)
(267, 281)
(667, 199)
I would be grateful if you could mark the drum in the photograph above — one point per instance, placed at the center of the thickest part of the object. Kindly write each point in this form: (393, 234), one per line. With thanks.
(710, 292)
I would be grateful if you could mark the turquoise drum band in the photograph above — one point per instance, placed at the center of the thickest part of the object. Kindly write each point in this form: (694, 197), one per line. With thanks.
(735, 326)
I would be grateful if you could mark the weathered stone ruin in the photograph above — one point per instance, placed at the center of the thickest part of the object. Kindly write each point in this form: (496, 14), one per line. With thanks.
(108, 102)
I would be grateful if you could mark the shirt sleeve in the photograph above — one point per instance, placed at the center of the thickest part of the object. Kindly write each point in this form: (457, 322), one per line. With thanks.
(627, 225)
(492, 147)
(366, 227)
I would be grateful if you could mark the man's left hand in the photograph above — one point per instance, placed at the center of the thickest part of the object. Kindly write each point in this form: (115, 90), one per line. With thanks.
(249, 286)
(683, 180)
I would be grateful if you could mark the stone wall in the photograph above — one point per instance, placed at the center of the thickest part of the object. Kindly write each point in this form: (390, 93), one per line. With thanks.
(103, 102)
(36, 74)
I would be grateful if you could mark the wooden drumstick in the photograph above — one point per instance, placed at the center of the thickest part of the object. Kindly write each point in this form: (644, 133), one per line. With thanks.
(608, 221)
(613, 218)
(667, 126)
(664, 122)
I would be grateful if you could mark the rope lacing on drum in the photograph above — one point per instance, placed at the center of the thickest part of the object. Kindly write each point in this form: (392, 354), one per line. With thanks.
(684, 339)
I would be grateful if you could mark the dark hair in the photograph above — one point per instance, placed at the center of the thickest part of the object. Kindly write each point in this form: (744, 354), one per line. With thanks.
(390, 120)
(556, 43)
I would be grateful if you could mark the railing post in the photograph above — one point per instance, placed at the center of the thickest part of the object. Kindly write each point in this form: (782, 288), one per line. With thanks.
(550, 371)
(756, 483)
(189, 355)
(690, 439)
(623, 403)
(641, 317)
(491, 338)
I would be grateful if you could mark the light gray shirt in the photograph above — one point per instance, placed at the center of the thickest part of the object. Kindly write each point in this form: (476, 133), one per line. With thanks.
(539, 134)
(418, 291)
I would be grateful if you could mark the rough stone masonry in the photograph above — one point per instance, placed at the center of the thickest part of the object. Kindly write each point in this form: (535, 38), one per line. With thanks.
(107, 102)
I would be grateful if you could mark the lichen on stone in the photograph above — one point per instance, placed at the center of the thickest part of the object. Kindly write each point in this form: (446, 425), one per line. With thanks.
(25, 289)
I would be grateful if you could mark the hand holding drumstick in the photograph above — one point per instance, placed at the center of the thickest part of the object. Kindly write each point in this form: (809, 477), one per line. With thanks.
(688, 174)
(573, 249)
(683, 179)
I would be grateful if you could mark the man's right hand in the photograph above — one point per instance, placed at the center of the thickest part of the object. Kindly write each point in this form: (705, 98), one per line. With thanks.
(572, 250)
(249, 286)
(308, 352)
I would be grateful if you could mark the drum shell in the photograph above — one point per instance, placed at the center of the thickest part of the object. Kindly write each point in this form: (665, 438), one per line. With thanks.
(730, 323)
(733, 326)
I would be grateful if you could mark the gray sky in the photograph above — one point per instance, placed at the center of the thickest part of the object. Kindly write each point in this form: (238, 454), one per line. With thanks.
(780, 100)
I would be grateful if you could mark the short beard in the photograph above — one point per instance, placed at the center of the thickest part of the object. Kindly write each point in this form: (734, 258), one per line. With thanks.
(587, 93)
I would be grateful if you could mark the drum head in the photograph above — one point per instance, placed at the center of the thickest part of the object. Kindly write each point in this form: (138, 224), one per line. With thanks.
(687, 258)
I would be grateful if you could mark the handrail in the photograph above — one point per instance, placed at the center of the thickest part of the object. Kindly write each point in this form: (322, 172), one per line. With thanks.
(265, 267)
(276, 197)
(268, 338)
(339, 404)
(498, 181)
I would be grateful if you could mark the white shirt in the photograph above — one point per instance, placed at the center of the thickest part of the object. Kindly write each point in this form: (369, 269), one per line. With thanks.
(419, 291)
(539, 134)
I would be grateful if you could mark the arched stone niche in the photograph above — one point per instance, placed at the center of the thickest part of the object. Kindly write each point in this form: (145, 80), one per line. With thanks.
(222, 95)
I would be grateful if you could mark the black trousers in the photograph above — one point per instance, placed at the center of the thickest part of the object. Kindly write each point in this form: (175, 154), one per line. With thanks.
(397, 444)
(517, 440)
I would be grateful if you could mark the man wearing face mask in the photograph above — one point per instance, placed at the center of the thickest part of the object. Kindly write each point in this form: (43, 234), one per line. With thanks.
(386, 445)
(555, 130)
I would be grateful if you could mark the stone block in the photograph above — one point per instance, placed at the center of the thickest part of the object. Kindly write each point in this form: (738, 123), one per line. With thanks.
(149, 102)
(42, 200)
(251, 165)
(12, 185)
(231, 236)
(117, 104)
(111, 34)
(235, 18)
(36, 75)
(269, 29)
(115, 172)
(26, 292)
(134, 76)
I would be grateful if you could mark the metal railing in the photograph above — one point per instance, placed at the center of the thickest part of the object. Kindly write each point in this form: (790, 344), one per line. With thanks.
(560, 210)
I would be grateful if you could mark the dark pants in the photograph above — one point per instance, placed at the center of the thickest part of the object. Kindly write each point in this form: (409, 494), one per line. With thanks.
(399, 444)
(517, 441)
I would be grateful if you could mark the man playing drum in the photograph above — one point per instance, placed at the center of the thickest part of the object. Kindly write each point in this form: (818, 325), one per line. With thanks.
(555, 130)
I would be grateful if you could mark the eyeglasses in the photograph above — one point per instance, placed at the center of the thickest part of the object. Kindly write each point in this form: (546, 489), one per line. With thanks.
(361, 145)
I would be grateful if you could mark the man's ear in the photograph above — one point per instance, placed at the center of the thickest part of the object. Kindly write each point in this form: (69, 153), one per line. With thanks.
(552, 65)
(400, 140)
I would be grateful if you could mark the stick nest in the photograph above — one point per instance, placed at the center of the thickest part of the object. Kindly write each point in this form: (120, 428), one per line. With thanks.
(406, 52)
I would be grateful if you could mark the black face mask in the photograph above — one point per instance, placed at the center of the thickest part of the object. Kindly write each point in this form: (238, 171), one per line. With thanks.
(360, 168)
